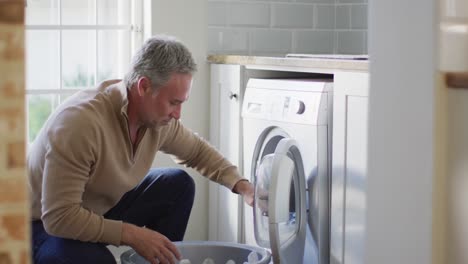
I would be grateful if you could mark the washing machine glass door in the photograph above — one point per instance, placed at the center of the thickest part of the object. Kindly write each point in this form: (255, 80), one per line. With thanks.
(280, 203)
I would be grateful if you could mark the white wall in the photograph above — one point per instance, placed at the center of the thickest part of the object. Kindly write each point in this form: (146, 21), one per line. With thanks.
(187, 21)
(278, 27)
(401, 122)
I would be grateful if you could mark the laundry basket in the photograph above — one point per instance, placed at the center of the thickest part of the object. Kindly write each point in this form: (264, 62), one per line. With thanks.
(199, 251)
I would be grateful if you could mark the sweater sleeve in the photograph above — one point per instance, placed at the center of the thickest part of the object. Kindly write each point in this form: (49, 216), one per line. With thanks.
(191, 150)
(70, 156)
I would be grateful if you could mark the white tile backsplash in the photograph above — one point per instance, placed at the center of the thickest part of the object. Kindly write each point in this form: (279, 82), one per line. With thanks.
(293, 16)
(325, 16)
(230, 40)
(248, 14)
(321, 42)
(351, 42)
(278, 27)
(359, 16)
(215, 40)
(343, 17)
(271, 41)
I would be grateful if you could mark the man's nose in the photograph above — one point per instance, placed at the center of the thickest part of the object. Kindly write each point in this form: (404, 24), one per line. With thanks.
(176, 113)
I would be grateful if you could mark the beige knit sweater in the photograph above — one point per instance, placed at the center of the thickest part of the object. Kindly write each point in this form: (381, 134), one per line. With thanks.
(82, 163)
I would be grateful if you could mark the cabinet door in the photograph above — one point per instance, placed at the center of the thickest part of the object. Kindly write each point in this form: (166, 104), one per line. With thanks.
(349, 168)
(224, 218)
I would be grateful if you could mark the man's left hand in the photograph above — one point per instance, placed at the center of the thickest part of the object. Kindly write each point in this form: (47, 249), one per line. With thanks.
(246, 189)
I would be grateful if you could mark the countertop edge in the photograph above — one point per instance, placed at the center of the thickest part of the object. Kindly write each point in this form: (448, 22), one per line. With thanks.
(324, 64)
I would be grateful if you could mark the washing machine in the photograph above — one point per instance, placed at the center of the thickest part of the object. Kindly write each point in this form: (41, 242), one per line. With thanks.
(286, 154)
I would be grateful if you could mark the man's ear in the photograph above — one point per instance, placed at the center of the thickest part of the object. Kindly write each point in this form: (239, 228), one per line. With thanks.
(143, 85)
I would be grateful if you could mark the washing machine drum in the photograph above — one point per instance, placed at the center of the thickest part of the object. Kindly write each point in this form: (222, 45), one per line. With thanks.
(280, 202)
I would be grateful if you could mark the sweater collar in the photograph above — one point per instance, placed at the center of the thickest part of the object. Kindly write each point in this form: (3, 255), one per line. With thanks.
(117, 92)
(124, 103)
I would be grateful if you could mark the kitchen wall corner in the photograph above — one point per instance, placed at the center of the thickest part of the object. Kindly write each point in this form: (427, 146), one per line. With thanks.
(14, 205)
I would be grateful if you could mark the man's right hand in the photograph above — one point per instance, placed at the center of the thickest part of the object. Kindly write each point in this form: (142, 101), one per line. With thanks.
(151, 245)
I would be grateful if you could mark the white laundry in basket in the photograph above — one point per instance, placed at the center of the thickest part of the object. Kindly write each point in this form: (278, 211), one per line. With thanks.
(252, 259)
(196, 252)
(207, 261)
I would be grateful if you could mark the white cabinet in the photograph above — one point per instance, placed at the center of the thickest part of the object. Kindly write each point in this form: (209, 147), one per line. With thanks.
(349, 168)
(224, 206)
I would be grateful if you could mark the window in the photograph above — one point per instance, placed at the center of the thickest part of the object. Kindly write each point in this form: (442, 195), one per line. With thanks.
(73, 45)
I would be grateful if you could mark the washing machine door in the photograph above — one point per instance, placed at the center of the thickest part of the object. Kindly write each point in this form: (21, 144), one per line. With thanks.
(280, 203)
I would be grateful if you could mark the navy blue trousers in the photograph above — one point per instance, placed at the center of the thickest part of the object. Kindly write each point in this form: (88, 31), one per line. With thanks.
(161, 202)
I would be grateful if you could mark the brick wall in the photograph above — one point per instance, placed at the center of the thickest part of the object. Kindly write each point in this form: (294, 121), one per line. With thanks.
(14, 207)
(278, 27)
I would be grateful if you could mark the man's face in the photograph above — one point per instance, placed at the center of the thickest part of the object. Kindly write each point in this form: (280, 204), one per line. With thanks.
(164, 104)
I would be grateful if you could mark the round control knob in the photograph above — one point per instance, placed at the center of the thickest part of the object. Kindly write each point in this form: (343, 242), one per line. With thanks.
(297, 107)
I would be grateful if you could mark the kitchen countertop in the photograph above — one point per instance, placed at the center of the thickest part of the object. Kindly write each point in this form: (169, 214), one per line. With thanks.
(321, 64)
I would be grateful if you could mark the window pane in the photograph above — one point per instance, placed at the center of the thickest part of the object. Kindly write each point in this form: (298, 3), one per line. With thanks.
(79, 12)
(78, 58)
(39, 109)
(113, 12)
(42, 59)
(64, 97)
(42, 12)
(113, 47)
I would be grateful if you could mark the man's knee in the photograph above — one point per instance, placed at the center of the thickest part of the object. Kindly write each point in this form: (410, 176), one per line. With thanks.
(184, 180)
(173, 178)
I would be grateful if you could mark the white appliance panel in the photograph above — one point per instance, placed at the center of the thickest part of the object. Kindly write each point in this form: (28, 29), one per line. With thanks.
(302, 115)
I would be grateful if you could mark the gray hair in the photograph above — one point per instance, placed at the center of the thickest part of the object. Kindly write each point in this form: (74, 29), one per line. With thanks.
(158, 58)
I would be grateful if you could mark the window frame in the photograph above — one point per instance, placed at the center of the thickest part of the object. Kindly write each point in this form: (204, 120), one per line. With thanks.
(135, 35)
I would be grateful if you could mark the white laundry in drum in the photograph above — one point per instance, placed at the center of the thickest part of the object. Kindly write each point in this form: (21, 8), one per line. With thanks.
(251, 258)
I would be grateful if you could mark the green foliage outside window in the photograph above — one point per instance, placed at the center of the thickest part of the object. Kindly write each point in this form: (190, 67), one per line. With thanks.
(40, 106)
(83, 79)
(80, 79)
(39, 110)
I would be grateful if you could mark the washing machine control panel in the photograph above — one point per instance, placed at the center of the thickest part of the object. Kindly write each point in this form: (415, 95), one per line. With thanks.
(287, 105)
